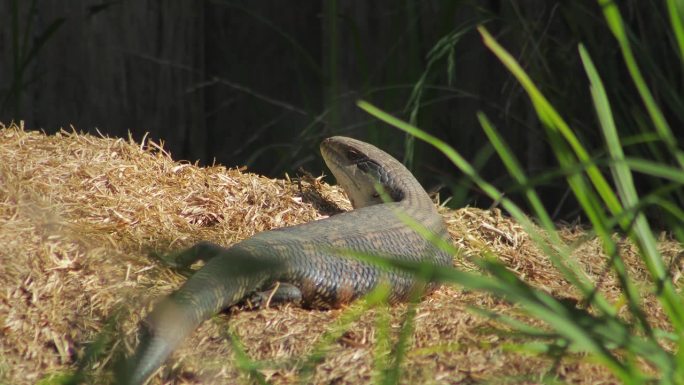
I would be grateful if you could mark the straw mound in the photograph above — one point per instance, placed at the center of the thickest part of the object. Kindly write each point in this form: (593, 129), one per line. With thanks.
(80, 214)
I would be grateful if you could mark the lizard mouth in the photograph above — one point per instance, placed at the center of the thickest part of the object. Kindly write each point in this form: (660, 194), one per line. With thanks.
(339, 164)
(343, 157)
(333, 150)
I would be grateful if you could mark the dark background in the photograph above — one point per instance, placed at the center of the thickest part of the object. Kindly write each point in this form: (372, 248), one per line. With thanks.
(260, 83)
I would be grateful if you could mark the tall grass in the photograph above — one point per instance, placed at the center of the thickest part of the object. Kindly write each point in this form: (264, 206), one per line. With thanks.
(609, 204)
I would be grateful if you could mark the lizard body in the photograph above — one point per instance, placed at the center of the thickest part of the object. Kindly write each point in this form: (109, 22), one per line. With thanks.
(302, 257)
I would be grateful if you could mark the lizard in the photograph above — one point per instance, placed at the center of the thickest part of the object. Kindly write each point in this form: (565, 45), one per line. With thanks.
(300, 261)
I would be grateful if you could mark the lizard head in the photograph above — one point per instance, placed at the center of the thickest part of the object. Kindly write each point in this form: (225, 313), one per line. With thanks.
(361, 168)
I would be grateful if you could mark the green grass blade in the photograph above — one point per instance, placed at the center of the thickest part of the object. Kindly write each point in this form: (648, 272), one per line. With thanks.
(586, 332)
(568, 268)
(656, 169)
(641, 231)
(620, 170)
(378, 296)
(608, 328)
(616, 25)
(467, 169)
(470, 172)
(513, 166)
(553, 122)
(393, 375)
(383, 345)
(625, 186)
(243, 361)
(559, 133)
(675, 9)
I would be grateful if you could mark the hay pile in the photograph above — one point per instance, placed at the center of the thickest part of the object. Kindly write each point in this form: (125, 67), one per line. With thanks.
(80, 214)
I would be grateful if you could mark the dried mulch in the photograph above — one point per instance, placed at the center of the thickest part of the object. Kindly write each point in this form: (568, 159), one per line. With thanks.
(80, 214)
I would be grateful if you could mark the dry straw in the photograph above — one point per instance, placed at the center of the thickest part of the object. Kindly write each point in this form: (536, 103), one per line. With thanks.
(79, 215)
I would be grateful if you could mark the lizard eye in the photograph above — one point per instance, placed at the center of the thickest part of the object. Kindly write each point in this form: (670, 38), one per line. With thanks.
(354, 155)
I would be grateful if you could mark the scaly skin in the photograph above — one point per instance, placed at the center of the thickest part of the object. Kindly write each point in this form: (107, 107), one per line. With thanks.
(302, 258)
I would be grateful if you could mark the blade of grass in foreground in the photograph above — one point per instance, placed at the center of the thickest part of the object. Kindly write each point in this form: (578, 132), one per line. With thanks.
(588, 333)
(555, 124)
(555, 251)
(306, 364)
(616, 25)
(622, 175)
(559, 133)
(625, 184)
(352, 314)
(675, 9)
(655, 169)
(568, 268)
(383, 345)
(513, 166)
(243, 361)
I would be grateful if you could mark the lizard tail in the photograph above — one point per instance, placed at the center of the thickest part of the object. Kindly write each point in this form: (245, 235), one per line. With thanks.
(222, 282)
